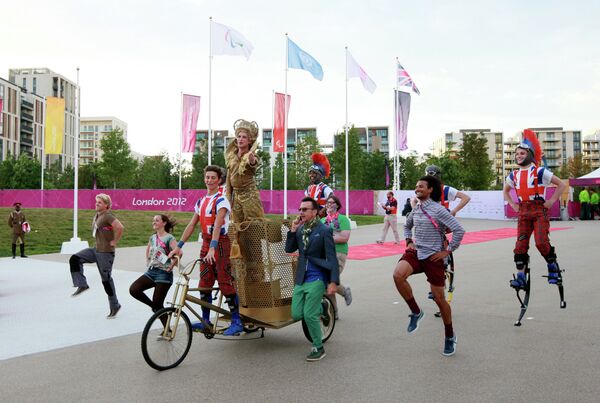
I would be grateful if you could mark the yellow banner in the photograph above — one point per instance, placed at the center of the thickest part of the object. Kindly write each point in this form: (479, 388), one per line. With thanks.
(55, 125)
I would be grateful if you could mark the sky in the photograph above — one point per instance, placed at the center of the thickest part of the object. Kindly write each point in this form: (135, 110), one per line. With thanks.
(500, 65)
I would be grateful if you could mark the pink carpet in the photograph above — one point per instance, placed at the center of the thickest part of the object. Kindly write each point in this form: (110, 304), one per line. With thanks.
(373, 250)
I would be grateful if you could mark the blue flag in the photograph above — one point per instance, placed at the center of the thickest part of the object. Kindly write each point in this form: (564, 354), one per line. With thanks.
(299, 59)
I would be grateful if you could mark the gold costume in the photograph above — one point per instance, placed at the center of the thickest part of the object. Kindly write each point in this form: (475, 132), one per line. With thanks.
(245, 199)
(241, 186)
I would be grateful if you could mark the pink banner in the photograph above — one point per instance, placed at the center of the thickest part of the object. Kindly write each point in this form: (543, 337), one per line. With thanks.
(279, 137)
(1, 110)
(166, 199)
(189, 122)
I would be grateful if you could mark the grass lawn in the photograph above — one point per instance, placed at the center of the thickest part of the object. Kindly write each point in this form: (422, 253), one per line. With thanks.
(52, 227)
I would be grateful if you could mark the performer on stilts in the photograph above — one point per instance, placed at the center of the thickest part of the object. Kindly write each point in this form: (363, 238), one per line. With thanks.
(530, 182)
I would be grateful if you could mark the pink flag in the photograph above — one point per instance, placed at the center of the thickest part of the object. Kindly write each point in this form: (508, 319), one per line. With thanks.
(189, 120)
(279, 136)
(0, 110)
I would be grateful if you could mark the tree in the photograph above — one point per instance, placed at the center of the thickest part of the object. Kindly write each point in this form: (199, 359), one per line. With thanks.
(7, 172)
(27, 173)
(451, 169)
(303, 159)
(476, 165)
(355, 161)
(576, 167)
(88, 176)
(278, 174)
(374, 174)
(66, 179)
(157, 172)
(410, 170)
(263, 178)
(117, 165)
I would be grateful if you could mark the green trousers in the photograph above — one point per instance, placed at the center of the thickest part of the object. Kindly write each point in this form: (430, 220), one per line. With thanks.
(306, 304)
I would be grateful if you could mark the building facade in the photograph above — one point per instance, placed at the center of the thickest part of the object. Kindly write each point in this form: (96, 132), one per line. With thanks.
(43, 82)
(375, 138)
(294, 135)
(21, 121)
(591, 151)
(220, 141)
(92, 130)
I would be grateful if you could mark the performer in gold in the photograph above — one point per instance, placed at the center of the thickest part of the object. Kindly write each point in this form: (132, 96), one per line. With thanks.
(242, 164)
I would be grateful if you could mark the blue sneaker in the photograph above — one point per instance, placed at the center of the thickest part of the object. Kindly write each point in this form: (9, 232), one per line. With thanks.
(199, 326)
(235, 329)
(415, 318)
(430, 296)
(553, 273)
(520, 282)
(449, 346)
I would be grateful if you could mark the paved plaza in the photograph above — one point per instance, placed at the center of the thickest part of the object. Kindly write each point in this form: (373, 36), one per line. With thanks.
(57, 348)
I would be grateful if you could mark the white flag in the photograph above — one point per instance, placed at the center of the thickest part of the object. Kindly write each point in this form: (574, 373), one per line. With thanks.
(354, 70)
(228, 41)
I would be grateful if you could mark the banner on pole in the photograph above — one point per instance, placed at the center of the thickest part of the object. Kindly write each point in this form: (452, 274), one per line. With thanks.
(279, 136)
(227, 41)
(402, 111)
(55, 125)
(189, 122)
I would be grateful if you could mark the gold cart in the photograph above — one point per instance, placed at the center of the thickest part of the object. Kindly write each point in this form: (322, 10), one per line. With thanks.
(264, 276)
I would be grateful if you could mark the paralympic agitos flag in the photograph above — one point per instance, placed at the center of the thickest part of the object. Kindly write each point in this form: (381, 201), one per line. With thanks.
(279, 137)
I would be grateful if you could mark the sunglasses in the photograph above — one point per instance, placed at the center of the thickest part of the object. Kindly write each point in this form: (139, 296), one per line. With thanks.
(431, 173)
(303, 209)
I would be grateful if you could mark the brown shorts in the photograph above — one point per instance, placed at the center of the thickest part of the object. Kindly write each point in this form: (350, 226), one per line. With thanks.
(433, 270)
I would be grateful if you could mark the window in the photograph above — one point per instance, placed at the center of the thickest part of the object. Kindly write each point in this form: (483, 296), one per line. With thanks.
(24, 82)
(34, 84)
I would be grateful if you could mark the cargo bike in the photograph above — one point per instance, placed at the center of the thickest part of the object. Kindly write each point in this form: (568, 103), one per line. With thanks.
(264, 276)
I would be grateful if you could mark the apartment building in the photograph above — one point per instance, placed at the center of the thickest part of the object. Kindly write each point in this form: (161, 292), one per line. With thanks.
(591, 151)
(92, 130)
(43, 82)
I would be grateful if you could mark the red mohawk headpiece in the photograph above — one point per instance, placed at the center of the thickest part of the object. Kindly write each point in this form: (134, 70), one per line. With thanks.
(530, 142)
(321, 164)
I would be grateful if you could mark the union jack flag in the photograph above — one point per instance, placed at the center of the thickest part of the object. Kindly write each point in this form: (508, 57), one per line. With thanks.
(404, 79)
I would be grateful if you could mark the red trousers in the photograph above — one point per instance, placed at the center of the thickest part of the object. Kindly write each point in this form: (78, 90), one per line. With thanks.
(533, 217)
(221, 267)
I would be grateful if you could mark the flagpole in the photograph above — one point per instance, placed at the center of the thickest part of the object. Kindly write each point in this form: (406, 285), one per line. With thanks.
(210, 57)
(180, 135)
(43, 145)
(346, 130)
(76, 164)
(272, 137)
(285, 128)
(75, 244)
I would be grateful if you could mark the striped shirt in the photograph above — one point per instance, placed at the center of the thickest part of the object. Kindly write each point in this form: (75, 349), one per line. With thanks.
(428, 239)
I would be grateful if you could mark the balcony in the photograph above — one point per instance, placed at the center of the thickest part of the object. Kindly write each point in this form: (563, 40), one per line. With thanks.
(26, 141)
(26, 104)
(26, 129)
(27, 117)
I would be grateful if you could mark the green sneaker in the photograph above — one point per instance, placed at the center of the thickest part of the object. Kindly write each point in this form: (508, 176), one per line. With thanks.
(316, 354)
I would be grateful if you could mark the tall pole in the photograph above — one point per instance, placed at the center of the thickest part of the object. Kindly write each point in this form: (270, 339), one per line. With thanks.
(76, 162)
(285, 128)
(272, 139)
(180, 135)
(396, 111)
(210, 57)
(346, 130)
(43, 142)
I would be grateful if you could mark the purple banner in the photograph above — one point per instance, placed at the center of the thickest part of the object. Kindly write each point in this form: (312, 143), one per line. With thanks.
(402, 111)
(166, 199)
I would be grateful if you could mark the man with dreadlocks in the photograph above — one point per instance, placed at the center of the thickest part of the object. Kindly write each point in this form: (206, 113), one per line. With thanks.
(318, 190)
(530, 182)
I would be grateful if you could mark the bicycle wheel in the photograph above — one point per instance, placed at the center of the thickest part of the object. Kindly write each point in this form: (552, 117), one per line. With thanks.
(166, 339)
(327, 320)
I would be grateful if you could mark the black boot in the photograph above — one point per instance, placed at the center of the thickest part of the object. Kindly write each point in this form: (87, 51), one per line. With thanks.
(14, 250)
(22, 247)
